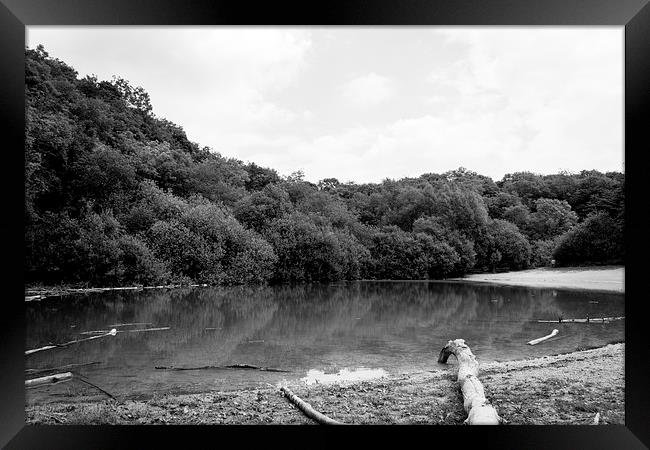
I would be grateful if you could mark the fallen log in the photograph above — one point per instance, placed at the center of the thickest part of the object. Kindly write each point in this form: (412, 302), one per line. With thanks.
(117, 325)
(307, 409)
(231, 366)
(478, 408)
(542, 339)
(187, 368)
(249, 366)
(587, 320)
(126, 331)
(144, 329)
(50, 379)
(113, 332)
(168, 286)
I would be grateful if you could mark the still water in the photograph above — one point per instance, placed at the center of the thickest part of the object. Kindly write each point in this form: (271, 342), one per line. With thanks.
(387, 327)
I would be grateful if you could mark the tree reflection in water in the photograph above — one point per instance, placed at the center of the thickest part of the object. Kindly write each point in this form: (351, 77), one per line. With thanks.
(397, 326)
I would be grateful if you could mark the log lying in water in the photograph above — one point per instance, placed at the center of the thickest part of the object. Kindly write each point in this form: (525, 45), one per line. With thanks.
(231, 366)
(542, 339)
(113, 332)
(125, 331)
(144, 329)
(47, 347)
(50, 379)
(166, 286)
(587, 320)
(478, 408)
(307, 409)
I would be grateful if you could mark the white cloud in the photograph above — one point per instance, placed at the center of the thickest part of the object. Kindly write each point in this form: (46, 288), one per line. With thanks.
(367, 90)
(210, 80)
(559, 89)
(493, 100)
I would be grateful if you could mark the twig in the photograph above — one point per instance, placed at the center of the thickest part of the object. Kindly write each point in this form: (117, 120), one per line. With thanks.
(52, 369)
(51, 416)
(81, 378)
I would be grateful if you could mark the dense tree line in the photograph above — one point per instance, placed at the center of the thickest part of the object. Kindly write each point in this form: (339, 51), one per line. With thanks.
(116, 195)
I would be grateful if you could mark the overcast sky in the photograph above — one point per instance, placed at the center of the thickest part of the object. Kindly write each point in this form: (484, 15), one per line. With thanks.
(367, 103)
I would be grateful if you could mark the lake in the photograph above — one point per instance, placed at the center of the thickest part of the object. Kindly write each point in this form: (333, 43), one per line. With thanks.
(394, 326)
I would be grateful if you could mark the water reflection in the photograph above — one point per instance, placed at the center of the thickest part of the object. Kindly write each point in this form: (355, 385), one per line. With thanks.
(395, 326)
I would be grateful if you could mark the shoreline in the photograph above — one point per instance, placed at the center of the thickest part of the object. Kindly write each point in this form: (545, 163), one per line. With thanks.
(595, 279)
(571, 278)
(568, 388)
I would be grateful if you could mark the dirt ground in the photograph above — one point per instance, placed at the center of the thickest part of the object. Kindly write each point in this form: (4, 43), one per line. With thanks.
(559, 389)
(605, 278)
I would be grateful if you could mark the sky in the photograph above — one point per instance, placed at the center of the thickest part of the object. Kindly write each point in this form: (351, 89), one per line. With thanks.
(364, 104)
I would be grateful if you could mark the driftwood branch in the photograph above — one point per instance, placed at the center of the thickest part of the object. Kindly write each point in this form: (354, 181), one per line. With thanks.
(307, 409)
(478, 408)
(542, 339)
(47, 347)
(50, 379)
(65, 344)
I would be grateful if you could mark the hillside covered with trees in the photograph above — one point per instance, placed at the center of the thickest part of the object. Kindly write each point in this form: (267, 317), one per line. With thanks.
(115, 195)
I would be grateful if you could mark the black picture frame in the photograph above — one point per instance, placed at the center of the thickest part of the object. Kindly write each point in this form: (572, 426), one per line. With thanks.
(15, 15)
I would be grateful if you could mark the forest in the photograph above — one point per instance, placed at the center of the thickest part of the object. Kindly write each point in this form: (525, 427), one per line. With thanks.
(117, 196)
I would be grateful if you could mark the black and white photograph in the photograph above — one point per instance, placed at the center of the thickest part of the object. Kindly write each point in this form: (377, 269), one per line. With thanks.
(286, 225)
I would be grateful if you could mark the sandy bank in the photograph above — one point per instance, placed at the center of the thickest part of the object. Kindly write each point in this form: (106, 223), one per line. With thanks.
(606, 278)
(560, 389)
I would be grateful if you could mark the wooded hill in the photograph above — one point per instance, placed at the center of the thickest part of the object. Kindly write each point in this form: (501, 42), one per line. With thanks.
(115, 195)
